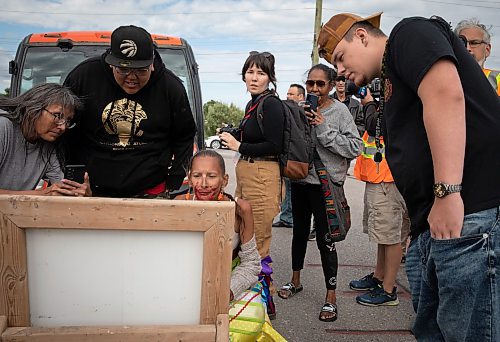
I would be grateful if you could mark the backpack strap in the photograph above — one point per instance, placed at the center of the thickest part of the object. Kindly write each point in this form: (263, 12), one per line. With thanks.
(260, 111)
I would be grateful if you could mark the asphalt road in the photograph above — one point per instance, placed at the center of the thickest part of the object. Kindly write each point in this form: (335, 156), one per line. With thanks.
(297, 317)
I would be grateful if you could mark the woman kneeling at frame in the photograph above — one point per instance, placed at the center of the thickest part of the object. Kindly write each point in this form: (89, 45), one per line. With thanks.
(207, 179)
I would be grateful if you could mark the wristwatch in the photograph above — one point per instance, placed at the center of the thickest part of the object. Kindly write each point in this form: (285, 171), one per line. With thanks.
(441, 189)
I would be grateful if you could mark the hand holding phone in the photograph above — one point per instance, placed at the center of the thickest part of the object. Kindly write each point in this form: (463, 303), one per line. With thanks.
(75, 173)
(312, 102)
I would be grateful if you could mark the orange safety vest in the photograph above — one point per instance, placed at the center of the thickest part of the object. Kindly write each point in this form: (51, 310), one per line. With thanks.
(494, 79)
(366, 169)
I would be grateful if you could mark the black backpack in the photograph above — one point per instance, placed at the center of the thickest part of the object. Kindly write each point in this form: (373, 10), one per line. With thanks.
(298, 147)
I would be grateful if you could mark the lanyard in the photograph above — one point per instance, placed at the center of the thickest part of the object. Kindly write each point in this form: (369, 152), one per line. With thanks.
(251, 109)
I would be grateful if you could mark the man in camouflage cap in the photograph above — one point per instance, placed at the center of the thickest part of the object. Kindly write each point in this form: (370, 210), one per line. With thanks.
(433, 92)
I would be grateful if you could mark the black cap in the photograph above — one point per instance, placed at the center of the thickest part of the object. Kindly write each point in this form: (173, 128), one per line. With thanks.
(131, 47)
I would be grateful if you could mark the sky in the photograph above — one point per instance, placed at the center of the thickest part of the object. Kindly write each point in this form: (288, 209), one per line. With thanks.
(222, 32)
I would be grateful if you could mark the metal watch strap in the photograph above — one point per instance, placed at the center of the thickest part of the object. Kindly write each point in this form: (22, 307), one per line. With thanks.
(442, 189)
(452, 188)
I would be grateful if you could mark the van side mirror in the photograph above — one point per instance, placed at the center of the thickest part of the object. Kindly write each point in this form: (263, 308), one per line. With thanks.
(13, 68)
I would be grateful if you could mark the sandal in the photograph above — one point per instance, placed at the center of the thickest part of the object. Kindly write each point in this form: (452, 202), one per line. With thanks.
(328, 308)
(290, 290)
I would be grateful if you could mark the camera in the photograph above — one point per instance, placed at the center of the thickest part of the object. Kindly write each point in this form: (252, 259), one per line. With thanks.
(235, 132)
(375, 88)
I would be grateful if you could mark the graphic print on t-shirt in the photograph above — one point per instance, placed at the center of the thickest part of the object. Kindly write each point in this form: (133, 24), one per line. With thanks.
(122, 118)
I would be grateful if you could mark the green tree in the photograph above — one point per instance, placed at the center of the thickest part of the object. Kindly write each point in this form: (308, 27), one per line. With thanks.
(216, 113)
(6, 92)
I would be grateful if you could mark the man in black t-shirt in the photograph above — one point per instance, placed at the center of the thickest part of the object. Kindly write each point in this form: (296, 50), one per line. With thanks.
(441, 128)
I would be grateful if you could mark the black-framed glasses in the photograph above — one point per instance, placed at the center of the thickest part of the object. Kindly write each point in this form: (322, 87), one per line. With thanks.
(473, 43)
(60, 120)
(136, 71)
(265, 53)
(319, 83)
(340, 79)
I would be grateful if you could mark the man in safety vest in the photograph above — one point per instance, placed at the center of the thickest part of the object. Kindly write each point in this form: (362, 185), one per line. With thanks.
(385, 217)
(477, 41)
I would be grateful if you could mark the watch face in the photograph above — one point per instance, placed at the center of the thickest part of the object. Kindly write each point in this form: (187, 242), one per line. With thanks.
(439, 190)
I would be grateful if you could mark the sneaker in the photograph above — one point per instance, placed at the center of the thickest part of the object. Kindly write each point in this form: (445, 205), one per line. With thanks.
(367, 283)
(312, 235)
(378, 297)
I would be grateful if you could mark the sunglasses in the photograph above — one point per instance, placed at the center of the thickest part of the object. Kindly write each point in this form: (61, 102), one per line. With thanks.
(265, 53)
(319, 83)
(340, 79)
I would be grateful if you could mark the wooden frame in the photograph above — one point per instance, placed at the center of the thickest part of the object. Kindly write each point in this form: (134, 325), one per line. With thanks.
(17, 213)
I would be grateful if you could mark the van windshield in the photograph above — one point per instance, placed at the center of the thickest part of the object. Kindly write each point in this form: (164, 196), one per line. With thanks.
(52, 65)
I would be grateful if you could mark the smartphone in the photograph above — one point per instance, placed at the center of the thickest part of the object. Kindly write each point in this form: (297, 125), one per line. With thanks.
(74, 173)
(312, 101)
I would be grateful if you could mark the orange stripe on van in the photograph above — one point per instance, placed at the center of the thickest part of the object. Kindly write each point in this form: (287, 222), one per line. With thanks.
(94, 37)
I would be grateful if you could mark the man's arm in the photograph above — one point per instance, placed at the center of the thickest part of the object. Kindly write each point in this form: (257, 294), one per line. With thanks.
(443, 103)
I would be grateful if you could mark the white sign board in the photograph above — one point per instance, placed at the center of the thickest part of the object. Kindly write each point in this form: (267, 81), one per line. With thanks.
(113, 277)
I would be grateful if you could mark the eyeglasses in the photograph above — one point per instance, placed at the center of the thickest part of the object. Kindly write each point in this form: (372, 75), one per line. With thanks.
(319, 83)
(127, 71)
(340, 79)
(472, 43)
(60, 120)
(265, 53)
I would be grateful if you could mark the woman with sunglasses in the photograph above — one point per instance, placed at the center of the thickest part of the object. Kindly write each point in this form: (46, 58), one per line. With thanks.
(257, 171)
(337, 142)
(31, 126)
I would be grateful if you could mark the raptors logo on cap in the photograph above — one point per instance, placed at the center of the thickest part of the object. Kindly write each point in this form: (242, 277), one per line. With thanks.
(128, 48)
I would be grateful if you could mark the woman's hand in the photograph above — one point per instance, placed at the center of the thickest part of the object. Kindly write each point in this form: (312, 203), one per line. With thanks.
(70, 188)
(315, 117)
(229, 141)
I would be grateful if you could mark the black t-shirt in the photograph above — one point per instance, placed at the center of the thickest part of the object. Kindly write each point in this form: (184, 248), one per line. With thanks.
(415, 44)
(253, 142)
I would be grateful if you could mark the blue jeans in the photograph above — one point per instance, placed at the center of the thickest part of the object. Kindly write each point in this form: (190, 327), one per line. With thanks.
(286, 205)
(455, 283)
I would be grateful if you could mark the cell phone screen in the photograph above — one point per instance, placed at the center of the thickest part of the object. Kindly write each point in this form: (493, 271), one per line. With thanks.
(75, 173)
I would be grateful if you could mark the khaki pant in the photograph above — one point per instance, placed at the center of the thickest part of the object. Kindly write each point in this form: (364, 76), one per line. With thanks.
(385, 216)
(259, 183)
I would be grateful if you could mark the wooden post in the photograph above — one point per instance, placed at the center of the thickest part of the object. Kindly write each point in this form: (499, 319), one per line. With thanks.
(3, 325)
(13, 274)
(317, 29)
(222, 328)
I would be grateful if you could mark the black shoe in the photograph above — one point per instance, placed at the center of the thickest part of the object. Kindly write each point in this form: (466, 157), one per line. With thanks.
(281, 224)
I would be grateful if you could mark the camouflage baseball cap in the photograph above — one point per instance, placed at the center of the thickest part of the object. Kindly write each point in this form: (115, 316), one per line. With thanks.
(335, 29)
